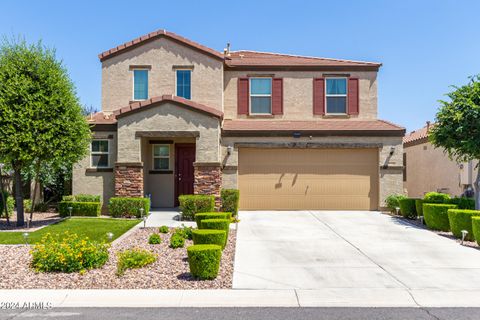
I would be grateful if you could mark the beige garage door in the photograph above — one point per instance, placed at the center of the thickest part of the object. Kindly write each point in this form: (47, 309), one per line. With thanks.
(296, 179)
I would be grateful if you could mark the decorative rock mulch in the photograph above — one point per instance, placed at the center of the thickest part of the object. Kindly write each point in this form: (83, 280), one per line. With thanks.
(170, 271)
(40, 219)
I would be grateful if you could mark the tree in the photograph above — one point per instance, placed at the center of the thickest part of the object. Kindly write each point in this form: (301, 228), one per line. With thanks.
(457, 127)
(41, 121)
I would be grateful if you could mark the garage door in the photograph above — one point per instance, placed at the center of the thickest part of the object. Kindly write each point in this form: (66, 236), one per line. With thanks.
(296, 179)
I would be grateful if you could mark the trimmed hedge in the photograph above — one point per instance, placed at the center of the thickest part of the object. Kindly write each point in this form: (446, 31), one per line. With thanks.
(89, 209)
(463, 203)
(392, 201)
(128, 207)
(211, 215)
(407, 208)
(204, 260)
(436, 197)
(436, 216)
(230, 200)
(191, 204)
(419, 206)
(461, 219)
(87, 198)
(208, 236)
(476, 229)
(217, 224)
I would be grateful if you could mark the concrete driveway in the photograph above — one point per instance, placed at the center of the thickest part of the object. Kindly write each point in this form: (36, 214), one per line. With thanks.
(340, 250)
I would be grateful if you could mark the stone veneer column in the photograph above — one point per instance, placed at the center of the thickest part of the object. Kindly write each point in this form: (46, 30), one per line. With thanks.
(208, 180)
(129, 179)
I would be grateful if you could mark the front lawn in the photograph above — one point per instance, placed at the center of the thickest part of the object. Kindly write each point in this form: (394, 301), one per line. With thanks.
(94, 228)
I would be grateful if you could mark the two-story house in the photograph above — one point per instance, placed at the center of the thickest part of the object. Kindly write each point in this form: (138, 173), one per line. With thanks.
(291, 132)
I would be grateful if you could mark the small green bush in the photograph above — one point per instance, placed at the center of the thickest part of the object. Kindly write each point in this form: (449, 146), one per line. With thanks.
(461, 219)
(128, 207)
(392, 201)
(208, 236)
(87, 198)
(89, 209)
(68, 198)
(217, 224)
(134, 258)
(204, 260)
(10, 205)
(68, 253)
(230, 200)
(154, 239)
(211, 215)
(163, 229)
(436, 197)
(407, 208)
(419, 206)
(192, 204)
(463, 203)
(27, 205)
(476, 229)
(177, 240)
(436, 216)
(185, 232)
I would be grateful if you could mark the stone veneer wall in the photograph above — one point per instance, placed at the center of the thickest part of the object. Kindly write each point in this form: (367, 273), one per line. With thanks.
(208, 180)
(129, 179)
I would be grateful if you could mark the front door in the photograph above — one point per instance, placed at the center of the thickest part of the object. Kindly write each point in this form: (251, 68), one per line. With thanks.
(184, 159)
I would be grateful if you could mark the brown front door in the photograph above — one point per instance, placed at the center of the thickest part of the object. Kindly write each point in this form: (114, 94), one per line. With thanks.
(184, 159)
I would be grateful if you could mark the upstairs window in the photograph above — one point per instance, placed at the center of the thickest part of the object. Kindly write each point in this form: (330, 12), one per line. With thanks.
(260, 96)
(184, 83)
(336, 95)
(140, 84)
(100, 154)
(161, 157)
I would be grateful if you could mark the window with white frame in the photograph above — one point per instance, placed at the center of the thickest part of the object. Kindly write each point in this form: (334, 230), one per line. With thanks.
(140, 84)
(260, 95)
(100, 154)
(336, 95)
(161, 157)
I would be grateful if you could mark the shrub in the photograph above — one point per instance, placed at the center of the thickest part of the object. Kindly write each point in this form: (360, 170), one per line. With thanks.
(208, 236)
(461, 219)
(476, 229)
(90, 209)
(436, 216)
(436, 197)
(463, 203)
(68, 253)
(27, 205)
(177, 240)
(134, 258)
(211, 215)
(407, 208)
(230, 200)
(163, 229)
(192, 204)
(217, 224)
(419, 206)
(392, 201)
(41, 207)
(68, 198)
(10, 205)
(128, 207)
(185, 232)
(204, 260)
(87, 198)
(154, 239)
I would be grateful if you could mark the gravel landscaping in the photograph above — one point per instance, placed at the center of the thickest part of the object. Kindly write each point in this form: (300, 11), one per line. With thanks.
(170, 271)
(40, 219)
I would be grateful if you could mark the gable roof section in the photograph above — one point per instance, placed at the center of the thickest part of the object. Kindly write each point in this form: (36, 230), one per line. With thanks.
(417, 137)
(155, 35)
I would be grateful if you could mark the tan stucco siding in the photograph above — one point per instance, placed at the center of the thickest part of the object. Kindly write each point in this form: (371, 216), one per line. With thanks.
(162, 55)
(298, 93)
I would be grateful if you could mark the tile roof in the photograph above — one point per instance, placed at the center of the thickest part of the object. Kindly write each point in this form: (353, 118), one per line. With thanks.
(101, 118)
(418, 136)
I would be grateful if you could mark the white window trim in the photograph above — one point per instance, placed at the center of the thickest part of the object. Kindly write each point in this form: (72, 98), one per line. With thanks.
(259, 95)
(133, 83)
(92, 153)
(161, 157)
(191, 74)
(336, 95)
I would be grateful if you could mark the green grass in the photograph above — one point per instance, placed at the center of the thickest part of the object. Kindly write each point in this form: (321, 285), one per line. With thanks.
(94, 228)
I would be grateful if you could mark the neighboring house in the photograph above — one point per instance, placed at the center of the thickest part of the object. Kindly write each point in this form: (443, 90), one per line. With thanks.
(429, 169)
(290, 132)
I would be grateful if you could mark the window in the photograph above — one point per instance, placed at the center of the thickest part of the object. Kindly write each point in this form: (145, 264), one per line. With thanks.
(161, 157)
(140, 84)
(260, 95)
(100, 154)
(183, 83)
(336, 95)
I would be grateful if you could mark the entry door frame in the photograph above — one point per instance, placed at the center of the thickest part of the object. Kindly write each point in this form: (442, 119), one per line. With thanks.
(177, 166)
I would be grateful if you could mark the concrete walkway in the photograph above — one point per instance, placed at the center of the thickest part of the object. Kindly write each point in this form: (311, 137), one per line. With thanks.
(169, 217)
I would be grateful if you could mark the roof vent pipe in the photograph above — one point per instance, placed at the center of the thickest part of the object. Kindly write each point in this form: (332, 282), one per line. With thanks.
(226, 51)
(428, 125)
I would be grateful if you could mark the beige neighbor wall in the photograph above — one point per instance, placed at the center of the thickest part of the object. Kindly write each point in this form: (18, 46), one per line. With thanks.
(86, 181)
(163, 56)
(298, 93)
(390, 180)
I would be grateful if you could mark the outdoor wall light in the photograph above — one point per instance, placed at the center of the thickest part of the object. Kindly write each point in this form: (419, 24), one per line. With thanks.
(229, 150)
(464, 234)
(25, 237)
(70, 209)
(392, 150)
(109, 236)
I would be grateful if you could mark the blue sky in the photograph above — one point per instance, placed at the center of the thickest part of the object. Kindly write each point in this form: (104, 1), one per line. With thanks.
(425, 46)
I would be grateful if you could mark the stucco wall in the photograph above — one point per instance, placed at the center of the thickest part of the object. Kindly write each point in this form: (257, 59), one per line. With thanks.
(298, 93)
(390, 179)
(162, 55)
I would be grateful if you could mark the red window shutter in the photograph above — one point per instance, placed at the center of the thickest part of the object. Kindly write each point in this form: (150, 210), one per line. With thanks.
(277, 96)
(243, 95)
(319, 96)
(353, 96)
